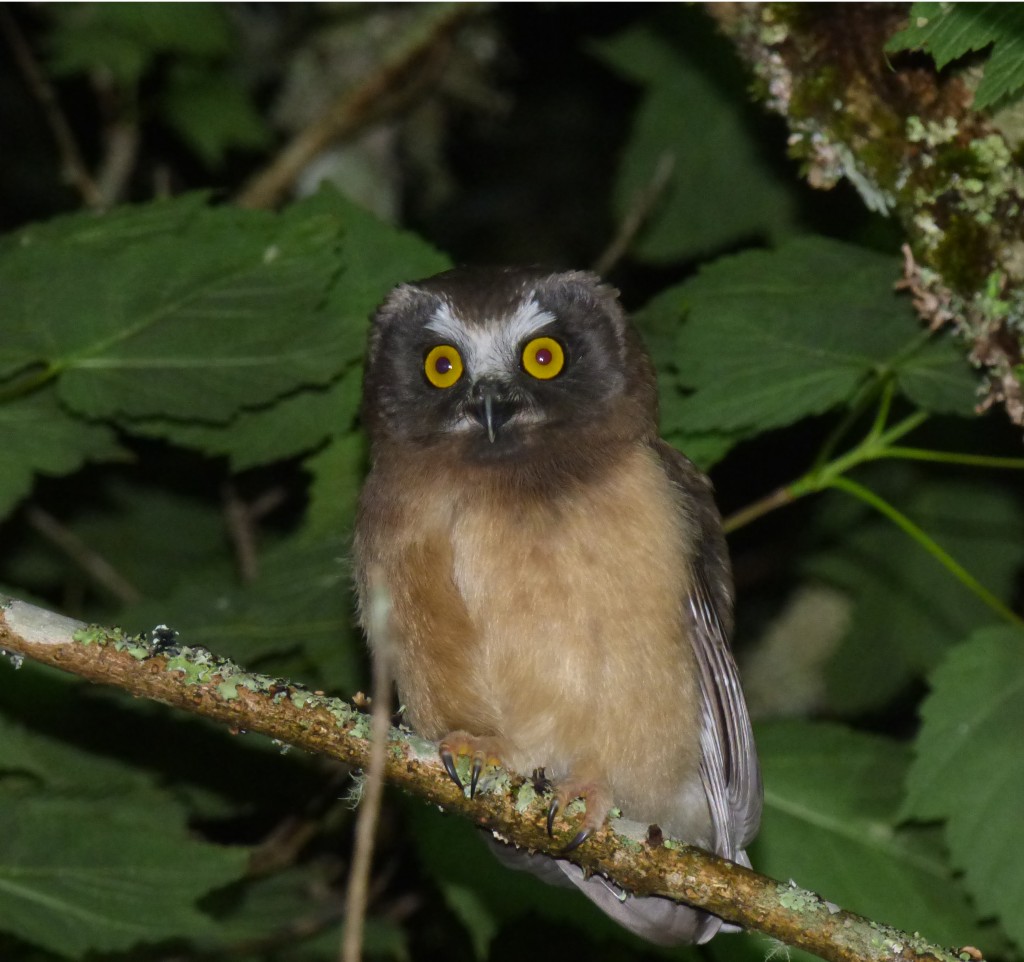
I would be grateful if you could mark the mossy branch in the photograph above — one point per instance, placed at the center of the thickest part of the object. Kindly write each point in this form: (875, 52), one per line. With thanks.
(197, 681)
(908, 139)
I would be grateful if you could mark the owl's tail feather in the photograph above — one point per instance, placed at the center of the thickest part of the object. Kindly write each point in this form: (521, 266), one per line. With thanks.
(656, 919)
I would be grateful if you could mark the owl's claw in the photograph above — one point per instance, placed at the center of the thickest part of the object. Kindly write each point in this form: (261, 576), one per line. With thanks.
(448, 760)
(578, 839)
(484, 751)
(478, 767)
(552, 812)
(598, 800)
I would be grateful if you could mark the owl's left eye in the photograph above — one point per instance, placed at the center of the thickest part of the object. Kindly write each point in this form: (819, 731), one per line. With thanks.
(543, 358)
(443, 365)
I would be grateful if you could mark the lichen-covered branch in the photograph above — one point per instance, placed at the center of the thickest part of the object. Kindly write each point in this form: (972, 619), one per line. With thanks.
(907, 138)
(195, 680)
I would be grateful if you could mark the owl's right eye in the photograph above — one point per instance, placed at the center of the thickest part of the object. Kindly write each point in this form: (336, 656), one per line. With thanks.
(443, 365)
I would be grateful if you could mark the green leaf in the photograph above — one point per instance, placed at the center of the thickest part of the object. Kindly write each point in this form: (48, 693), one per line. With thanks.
(948, 31)
(694, 117)
(280, 908)
(62, 768)
(937, 377)
(40, 436)
(126, 38)
(283, 429)
(771, 337)
(295, 619)
(79, 875)
(337, 472)
(202, 312)
(375, 258)
(212, 112)
(832, 800)
(969, 769)
(907, 609)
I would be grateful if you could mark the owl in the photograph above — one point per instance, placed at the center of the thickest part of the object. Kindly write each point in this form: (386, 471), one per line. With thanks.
(560, 589)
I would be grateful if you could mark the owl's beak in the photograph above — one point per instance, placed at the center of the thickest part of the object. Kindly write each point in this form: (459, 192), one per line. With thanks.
(491, 405)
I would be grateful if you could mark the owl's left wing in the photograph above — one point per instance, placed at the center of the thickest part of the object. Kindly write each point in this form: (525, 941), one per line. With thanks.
(729, 766)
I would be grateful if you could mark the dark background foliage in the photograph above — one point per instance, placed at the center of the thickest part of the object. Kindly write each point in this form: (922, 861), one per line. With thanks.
(179, 381)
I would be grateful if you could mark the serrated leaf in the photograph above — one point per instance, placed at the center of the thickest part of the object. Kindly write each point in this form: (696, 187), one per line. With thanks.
(337, 472)
(375, 258)
(295, 619)
(287, 427)
(771, 337)
(907, 609)
(969, 769)
(693, 121)
(198, 317)
(126, 38)
(62, 768)
(41, 437)
(79, 876)
(948, 31)
(832, 800)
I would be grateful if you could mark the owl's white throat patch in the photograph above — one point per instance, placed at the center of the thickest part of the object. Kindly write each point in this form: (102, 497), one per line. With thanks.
(490, 348)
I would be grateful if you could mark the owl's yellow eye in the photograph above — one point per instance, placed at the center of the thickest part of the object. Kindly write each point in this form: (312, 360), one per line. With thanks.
(443, 365)
(543, 358)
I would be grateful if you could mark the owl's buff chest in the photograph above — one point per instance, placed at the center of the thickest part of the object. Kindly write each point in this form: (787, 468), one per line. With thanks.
(574, 606)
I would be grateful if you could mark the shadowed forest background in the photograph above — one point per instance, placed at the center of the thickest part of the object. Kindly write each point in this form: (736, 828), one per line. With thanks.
(201, 206)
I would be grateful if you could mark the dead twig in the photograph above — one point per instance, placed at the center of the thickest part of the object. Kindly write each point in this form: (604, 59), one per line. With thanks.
(75, 169)
(640, 209)
(392, 89)
(373, 786)
(87, 559)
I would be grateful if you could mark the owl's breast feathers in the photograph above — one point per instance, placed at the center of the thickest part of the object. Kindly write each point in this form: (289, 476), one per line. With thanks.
(559, 623)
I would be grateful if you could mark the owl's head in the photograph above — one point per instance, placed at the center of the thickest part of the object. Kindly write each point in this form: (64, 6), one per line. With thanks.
(500, 362)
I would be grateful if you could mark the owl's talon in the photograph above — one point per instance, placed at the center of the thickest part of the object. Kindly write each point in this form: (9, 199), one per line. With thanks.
(581, 836)
(478, 767)
(448, 760)
(552, 812)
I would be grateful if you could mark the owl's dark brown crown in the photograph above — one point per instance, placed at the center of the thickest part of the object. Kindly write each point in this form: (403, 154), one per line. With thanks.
(507, 367)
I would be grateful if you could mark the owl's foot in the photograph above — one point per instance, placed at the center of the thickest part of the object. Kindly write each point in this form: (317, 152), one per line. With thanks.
(483, 751)
(598, 799)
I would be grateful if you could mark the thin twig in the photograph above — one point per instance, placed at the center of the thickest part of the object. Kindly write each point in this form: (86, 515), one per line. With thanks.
(930, 545)
(122, 148)
(640, 209)
(74, 167)
(87, 559)
(242, 532)
(373, 785)
(777, 499)
(393, 88)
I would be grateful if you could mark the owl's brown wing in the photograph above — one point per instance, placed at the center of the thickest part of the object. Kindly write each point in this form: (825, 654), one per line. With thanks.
(729, 766)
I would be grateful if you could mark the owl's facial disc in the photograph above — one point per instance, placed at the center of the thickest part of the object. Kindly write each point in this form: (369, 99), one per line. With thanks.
(492, 364)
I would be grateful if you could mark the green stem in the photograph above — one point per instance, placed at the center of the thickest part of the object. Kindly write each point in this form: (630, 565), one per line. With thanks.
(953, 457)
(932, 547)
(859, 405)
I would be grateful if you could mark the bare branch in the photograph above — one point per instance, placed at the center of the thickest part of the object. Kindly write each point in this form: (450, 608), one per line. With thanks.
(219, 690)
(640, 209)
(392, 89)
(908, 139)
(87, 559)
(75, 169)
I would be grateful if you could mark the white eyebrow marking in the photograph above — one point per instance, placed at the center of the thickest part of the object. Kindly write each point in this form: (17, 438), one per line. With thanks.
(493, 348)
